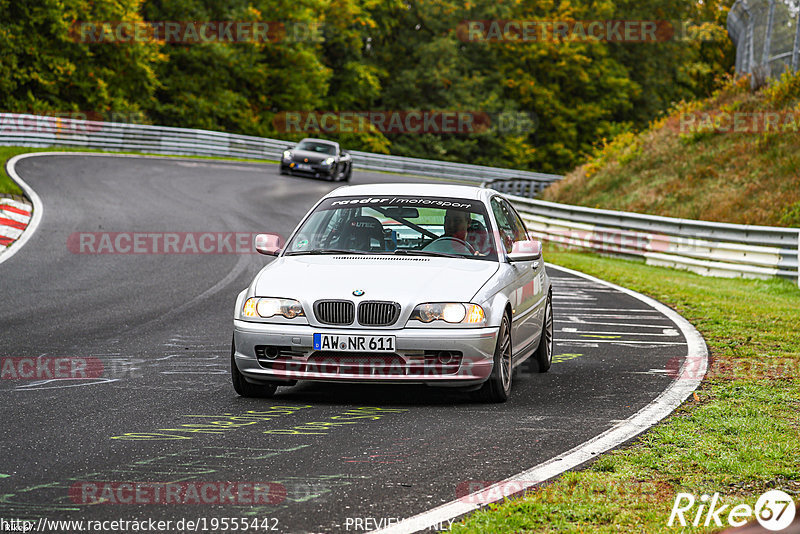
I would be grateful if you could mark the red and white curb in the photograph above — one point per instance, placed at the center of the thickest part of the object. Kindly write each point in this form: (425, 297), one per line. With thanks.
(14, 218)
(18, 220)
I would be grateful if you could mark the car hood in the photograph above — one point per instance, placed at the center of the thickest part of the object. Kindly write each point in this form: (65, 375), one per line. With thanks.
(408, 280)
(313, 157)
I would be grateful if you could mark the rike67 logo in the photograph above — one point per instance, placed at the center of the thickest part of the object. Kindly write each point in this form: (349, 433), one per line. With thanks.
(774, 510)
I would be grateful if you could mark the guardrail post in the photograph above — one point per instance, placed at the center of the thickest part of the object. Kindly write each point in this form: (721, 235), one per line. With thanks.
(798, 259)
(750, 43)
(768, 37)
(796, 47)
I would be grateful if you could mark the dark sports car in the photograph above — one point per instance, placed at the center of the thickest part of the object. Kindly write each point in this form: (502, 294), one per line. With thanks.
(318, 158)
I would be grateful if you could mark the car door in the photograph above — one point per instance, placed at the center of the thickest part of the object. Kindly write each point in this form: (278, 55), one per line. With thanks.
(525, 288)
(536, 289)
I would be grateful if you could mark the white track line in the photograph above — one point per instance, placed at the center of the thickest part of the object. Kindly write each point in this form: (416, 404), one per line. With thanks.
(660, 407)
(630, 325)
(38, 208)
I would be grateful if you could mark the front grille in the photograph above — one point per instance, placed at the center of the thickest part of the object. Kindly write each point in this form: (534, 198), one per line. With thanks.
(377, 313)
(366, 364)
(335, 312)
(355, 358)
(356, 363)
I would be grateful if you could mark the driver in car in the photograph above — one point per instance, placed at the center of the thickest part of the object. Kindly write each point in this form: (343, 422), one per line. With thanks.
(454, 239)
(456, 224)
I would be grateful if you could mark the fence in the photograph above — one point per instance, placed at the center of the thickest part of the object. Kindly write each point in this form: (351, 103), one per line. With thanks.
(42, 131)
(766, 34)
(712, 249)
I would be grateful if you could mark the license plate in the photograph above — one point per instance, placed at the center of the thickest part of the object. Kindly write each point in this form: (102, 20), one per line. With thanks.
(303, 167)
(348, 343)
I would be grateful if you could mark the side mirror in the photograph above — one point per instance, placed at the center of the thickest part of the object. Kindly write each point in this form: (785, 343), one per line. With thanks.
(267, 244)
(526, 251)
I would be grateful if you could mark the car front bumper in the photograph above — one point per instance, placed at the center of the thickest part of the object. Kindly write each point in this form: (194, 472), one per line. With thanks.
(414, 360)
(317, 170)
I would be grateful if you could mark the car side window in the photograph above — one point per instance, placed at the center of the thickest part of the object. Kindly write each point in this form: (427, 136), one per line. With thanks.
(520, 231)
(509, 225)
(503, 224)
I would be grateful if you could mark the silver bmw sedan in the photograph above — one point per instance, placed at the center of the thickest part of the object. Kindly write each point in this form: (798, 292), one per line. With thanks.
(397, 283)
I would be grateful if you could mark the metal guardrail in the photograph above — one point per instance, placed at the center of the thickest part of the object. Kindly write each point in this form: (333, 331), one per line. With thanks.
(766, 34)
(517, 186)
(708, 248)
(43, 131)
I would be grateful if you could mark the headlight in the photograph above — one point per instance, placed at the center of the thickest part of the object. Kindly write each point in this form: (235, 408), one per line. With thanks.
(449, 312)
(270, 307)
(287, 155)
(329, 161)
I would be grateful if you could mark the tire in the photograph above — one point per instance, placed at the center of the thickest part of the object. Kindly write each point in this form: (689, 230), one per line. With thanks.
(542, 359)
(348, 174)
(245, 388)
(342, 176)
(498, 387)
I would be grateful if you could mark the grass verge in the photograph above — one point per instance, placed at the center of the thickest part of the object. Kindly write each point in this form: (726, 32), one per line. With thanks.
(739, 436)
(683, 165)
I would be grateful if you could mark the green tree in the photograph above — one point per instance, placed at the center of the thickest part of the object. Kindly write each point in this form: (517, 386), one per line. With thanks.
(235, 87)
(690, 65)
(44, 66)
(354, 55)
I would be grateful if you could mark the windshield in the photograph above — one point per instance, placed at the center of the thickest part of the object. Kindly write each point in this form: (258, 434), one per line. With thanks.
(397, 225)
(320, 148)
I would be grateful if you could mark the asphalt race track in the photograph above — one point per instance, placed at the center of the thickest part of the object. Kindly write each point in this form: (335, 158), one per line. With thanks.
(338, 457)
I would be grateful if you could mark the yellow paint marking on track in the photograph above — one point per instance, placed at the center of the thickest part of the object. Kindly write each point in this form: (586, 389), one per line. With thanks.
(558, 358)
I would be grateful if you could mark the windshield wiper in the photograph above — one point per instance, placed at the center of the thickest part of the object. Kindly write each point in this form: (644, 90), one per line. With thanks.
(320, 251)
(411, 252)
